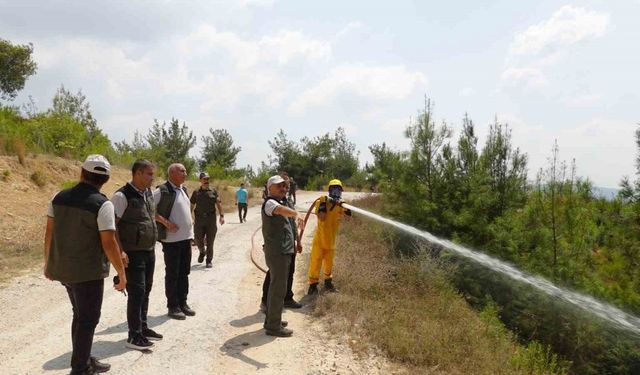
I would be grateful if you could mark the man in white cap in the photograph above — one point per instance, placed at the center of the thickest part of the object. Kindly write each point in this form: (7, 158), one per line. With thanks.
(279, 242)
(79, 244)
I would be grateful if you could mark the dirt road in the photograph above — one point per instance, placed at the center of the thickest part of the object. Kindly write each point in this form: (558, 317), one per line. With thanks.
(225, 337)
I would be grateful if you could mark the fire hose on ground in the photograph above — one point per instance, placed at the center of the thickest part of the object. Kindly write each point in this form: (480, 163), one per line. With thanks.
(255, 249)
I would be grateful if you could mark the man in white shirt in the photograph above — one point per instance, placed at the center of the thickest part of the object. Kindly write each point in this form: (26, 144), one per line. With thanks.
(173, 213)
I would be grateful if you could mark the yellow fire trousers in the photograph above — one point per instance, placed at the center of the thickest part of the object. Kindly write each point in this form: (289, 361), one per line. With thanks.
(320, 259)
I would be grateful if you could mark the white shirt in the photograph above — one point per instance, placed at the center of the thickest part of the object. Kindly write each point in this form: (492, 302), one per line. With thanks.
(270, 206)
(180, 215)
(106, 219)
(120, 203)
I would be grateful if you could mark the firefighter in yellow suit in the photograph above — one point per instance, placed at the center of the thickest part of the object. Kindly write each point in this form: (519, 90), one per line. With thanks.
(330, 212)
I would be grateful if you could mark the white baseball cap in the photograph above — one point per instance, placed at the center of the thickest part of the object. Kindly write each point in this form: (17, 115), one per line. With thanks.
(274, 180)
(97, 164)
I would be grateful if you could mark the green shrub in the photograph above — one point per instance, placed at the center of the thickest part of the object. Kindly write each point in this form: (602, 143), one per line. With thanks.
(39, 178)
(68, 184)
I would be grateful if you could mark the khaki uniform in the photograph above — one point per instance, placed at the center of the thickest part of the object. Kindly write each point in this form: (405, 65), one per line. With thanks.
(205, 227)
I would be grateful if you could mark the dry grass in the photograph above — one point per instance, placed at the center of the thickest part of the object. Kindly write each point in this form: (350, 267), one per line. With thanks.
(408, 310)
(24, 205)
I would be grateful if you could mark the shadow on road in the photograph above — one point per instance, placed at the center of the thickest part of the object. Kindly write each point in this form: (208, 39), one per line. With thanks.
(101, 349)
(258, 317)
(235, 346)
(152, 321)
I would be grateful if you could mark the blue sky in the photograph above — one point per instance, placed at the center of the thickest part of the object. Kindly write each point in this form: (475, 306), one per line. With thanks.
(551, 70)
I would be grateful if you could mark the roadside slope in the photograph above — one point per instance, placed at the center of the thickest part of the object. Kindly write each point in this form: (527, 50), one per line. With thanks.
(225, 336)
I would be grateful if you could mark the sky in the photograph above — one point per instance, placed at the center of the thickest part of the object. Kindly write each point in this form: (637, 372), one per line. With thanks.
(551, 70)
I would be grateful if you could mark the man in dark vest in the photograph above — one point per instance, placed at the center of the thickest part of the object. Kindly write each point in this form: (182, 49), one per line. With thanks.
(206, 200)
(173, 213)
(79, 244)
(137, 234)
(278, 248)
(289, 302)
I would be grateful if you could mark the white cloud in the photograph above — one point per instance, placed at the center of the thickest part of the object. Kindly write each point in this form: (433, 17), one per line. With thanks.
(567, 26)
(466, 91)
(545, 44)
(371, 82)
(582, 101)
(257, 3)
(604, 149)
(527, 78)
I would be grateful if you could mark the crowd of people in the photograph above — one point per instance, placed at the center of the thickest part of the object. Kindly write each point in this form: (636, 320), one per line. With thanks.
(86, 233)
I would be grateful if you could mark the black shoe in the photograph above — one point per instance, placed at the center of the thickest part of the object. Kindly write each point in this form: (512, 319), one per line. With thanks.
(176, 313)
(283, 324)
(201, 258)
(292, 304)
(151, 334)
(187, 310)
(313, 289)
(209, 265)
(328, 286)
(99, 366)
(88, 371)
(139, 342)
(282, 332)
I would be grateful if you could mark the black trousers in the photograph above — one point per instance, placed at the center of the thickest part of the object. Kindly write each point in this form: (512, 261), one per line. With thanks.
(139, 282)
(242, 212)
(204, 231)
(177, 262)
(86, 302)
(267, 281)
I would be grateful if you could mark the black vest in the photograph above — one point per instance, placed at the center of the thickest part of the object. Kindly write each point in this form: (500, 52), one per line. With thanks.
(76, 253)
(277, 232)
(165, 205)
(137, 226)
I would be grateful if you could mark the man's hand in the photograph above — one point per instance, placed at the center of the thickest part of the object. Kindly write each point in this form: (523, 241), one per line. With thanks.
(171, 227)
(300, 222)
(299, 248)
(221, 220)
(122, 284)
(125, 259)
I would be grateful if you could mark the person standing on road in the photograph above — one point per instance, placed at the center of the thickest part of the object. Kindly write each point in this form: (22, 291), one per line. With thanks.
(173, 212)
(293, 187)
(206, 200)
(79, 244)
(242, 201)
(137, 234)
(279, 238)
(330, 212)
(289, 302)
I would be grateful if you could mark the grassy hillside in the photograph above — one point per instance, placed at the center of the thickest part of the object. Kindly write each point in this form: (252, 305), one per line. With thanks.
(28, 189)
(408, 309)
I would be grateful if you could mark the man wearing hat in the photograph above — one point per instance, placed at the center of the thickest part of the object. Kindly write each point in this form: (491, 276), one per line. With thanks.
(279, 240)
(80, 242)
(204, 202)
